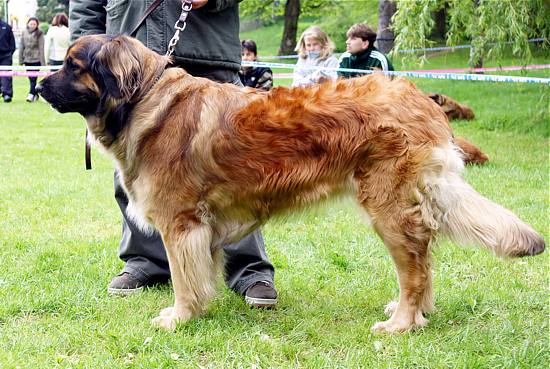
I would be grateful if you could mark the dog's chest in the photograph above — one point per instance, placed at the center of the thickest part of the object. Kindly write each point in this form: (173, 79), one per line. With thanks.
(138, 196)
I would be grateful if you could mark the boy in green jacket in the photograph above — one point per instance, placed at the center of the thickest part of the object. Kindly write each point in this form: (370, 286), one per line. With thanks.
(361, 53)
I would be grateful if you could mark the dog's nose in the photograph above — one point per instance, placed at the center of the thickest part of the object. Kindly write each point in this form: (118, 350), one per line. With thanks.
(38, 88)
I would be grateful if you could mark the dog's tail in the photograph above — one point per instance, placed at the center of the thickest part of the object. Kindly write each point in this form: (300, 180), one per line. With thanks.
(455, 209)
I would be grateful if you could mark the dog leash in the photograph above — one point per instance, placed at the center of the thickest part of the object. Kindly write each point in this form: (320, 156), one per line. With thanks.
(186, 6)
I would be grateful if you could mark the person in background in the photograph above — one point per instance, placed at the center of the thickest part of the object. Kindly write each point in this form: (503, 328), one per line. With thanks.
(31, 52)
(210, 49)
(7, 48)
(314, 50)
(361, 53)
(57, 39)
(257, 77)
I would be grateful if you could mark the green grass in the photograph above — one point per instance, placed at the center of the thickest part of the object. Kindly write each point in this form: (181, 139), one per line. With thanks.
(58, 249)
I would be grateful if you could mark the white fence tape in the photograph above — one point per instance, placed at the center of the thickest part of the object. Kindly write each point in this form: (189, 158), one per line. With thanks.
(415, 74)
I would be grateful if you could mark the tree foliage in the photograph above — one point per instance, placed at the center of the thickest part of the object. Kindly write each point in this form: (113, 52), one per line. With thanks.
(334, 16)
(490, 26)
(47, 9)
(268, 10)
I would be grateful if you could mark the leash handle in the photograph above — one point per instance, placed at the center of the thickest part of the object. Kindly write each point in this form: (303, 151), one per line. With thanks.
(88, 153)
(149, 10)
(186, 6)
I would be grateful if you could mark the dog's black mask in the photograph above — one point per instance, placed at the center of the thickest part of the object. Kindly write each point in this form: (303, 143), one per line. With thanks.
(82, 84)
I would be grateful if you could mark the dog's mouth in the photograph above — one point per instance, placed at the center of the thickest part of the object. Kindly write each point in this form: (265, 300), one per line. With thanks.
(55, 105)
(75, 103)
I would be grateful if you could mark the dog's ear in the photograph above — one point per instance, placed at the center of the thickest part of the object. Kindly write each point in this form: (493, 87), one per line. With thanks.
(119, 66)
(437, 98)
(106, 79)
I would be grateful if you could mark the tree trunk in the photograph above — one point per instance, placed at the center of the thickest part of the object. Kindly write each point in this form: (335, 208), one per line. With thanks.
(439, 30)
(292, 13)
(385, 37)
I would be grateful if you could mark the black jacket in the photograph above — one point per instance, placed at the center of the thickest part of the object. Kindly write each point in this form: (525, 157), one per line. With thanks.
(261, 78)
(211, 37)
(7, 41)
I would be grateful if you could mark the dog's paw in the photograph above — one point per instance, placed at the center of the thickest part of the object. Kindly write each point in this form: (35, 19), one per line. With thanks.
(165, 322)
(395, 326)
(390, 327)
(390, 308)
(169, 318)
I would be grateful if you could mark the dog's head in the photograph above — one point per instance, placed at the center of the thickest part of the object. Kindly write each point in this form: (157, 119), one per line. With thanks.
(439, 99)
(100, 73)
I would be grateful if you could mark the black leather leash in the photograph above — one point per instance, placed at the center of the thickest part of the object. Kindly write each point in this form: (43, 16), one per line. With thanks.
(186, 6)
(88, 153)
(149, 10)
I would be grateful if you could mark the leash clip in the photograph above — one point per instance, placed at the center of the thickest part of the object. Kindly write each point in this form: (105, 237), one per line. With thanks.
(186, 6)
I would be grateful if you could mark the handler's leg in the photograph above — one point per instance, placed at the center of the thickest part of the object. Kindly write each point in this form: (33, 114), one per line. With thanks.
(249, 272)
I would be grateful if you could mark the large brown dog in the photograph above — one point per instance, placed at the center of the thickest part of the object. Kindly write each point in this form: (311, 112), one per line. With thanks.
(205, 163)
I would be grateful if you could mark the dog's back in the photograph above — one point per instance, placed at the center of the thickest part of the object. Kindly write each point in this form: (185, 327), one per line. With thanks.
(292, 140)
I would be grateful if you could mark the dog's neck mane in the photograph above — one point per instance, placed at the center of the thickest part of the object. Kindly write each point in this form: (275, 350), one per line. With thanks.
(114, 114)
(107, 127)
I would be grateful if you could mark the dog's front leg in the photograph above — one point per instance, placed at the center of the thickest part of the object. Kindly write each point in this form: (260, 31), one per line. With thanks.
(193, 269)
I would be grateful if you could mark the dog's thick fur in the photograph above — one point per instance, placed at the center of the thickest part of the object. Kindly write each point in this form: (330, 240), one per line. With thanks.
(205, 163)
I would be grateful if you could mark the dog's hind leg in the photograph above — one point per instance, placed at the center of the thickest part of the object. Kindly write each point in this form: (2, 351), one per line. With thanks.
(193, 268)
(408, 241)
(390, 202)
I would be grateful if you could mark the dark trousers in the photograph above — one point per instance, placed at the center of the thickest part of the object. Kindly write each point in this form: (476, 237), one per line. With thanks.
(6, 85)
(246, 261)
(32, 80)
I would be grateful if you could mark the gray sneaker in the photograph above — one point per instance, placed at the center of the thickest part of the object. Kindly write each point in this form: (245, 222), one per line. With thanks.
(261, 295)
(125, 284)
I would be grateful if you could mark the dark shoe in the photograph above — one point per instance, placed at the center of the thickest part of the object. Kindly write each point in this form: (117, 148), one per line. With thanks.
(261, 295)
(7, 99)
(125, 284)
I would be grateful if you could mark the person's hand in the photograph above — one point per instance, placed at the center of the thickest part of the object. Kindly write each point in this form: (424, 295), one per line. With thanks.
(199, 3)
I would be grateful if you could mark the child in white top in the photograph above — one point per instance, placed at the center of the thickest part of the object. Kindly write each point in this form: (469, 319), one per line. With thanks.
(314, 50)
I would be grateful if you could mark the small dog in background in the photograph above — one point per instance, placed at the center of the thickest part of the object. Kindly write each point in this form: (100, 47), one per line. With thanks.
(471, 153)
(454, 110)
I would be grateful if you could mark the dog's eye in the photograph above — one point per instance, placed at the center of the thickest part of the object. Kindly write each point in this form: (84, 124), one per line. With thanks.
(70, 64)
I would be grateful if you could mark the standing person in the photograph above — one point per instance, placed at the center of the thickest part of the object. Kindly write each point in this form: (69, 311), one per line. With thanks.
(314, 50)
(57, 39)
(257, 77)
(7, 48)
(210, 48)
(31, 52)
(361, 53)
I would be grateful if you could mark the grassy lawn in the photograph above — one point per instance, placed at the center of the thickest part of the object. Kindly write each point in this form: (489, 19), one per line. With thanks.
(60, 229)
